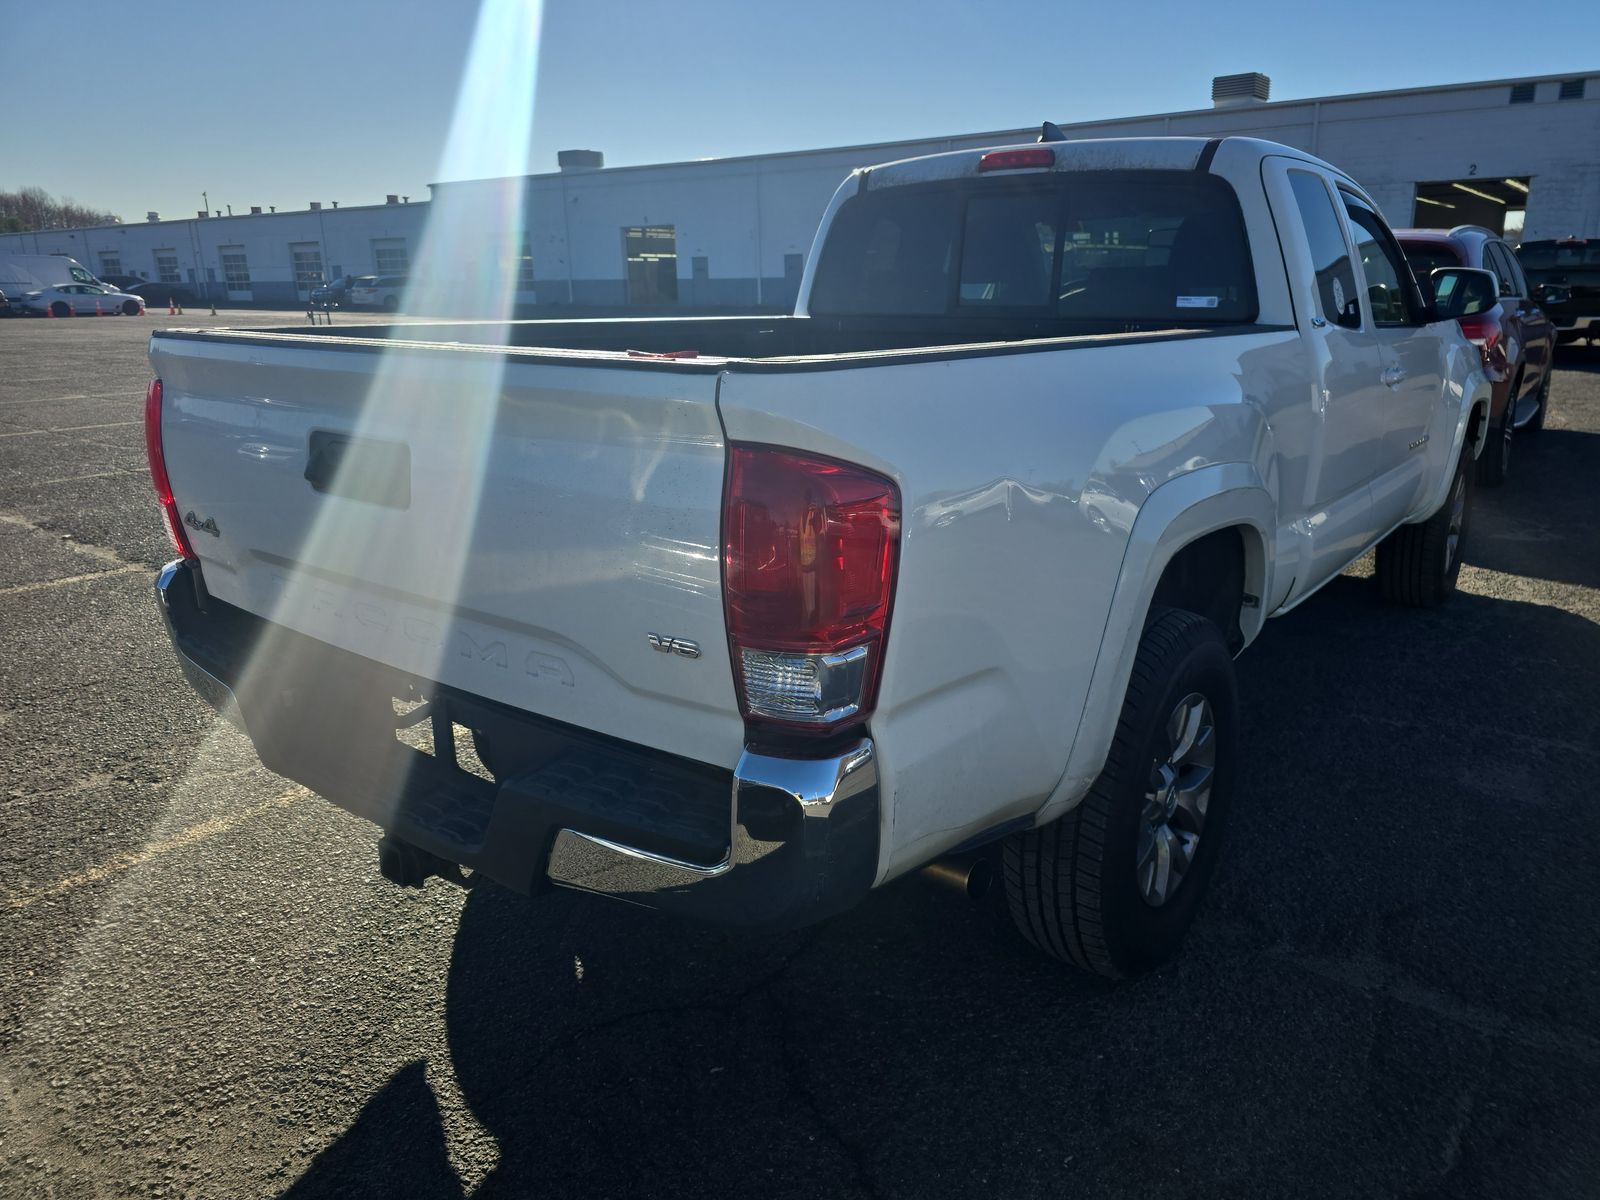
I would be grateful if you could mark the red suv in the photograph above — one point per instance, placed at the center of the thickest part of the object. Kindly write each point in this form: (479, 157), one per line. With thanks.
(1516, 338)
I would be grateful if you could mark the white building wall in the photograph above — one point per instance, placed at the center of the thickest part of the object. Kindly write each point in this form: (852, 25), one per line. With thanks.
(745, 215)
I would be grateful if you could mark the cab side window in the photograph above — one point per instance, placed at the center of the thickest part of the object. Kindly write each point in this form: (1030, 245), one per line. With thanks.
(1499, 260)
(1390, 284)
(1330, 254)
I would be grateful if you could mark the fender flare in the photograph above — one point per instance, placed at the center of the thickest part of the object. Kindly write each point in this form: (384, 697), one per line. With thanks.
(1479, 394)
(1177, 513)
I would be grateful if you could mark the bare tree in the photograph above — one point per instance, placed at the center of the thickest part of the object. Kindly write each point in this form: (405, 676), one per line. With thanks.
(34, 208)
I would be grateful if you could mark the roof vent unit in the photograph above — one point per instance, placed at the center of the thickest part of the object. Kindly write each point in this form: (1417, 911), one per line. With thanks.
(1522, 93)
(580, 160)
(152, 216)
(392, 198)
(1571, 89)
(255, 210)
(1231, 91)
(200, 212)
(316, 206)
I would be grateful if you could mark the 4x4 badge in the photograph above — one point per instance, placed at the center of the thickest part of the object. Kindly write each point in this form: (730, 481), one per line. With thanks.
(209, 525)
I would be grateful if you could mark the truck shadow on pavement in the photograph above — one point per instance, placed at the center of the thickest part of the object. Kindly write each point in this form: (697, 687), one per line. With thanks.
(1389, 990)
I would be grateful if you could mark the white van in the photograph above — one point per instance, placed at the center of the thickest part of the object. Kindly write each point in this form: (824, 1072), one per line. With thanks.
(21, 273)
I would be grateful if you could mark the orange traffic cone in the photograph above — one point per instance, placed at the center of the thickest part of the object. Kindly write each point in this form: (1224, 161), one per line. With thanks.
(172, 307)
(141, 307)
(50, 310)
(97, 311)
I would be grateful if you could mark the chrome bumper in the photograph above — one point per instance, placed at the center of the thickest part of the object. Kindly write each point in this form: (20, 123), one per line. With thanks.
(803, 846)
(178, 591)
(802, 833)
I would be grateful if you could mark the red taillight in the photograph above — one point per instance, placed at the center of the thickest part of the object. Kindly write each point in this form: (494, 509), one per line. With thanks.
(809, 550)
(1483, 331)
(158, 470)
(1011, 160)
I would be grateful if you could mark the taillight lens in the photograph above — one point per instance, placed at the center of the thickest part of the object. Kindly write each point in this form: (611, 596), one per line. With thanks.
(158, 470)
(1482, 330)
(809, 551)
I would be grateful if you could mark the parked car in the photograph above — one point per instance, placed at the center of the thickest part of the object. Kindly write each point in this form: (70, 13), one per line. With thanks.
(6, 309)
(81, 299)
(121, 283)
(156, 294)
(1568, 269)
(743, 617)
(1515, 337)
(378, 291)
(333, 294)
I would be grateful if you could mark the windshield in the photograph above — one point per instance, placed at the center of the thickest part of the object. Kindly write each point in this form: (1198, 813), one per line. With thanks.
(1544, 256)
(1124, 247)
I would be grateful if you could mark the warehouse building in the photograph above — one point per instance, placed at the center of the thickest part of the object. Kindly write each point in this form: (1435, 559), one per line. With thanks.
(1521, 156)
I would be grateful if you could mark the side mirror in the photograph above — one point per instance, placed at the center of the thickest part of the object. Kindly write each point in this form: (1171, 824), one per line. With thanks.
(1462, 292)
(1550, 293)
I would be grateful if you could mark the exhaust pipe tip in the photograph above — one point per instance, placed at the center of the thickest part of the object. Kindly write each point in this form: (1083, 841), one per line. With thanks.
(972, 877)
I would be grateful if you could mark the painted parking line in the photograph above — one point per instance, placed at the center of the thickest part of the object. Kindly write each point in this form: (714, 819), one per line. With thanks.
(18, 589)
(71, 429)
(193, 835)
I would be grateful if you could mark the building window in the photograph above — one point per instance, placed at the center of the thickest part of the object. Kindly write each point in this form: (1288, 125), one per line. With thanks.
(650, 254)
(235, 269)
(1522, 93)
(306, 258)
(110, 263)
(389, 256)
(1572, 89)
(525, 266)
(167, 267)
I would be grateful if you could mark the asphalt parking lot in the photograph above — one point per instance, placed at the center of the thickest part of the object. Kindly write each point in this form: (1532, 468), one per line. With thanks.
(1393, 989)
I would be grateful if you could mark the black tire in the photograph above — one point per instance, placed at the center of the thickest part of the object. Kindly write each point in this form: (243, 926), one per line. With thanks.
(1536, 422)
(1494, 464)
(60, 308)
(1073, 887)
(130, 308)
(1417, 565)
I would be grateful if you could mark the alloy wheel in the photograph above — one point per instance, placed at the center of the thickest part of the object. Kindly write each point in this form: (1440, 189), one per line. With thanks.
(1174, 811)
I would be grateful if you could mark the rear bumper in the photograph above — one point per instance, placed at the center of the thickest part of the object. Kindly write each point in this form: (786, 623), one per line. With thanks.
(775, 842)
(1577, 326)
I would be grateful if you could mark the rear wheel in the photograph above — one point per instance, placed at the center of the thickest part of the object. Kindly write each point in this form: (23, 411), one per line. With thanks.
(1536, 422)
(60, 308)
(1114, 885)
(1417, 565)
(1494, 464)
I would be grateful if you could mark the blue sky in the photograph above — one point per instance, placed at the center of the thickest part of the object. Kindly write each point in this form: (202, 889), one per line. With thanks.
(139, 106)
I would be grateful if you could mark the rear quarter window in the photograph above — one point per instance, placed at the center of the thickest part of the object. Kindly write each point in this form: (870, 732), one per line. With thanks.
(1094, 248)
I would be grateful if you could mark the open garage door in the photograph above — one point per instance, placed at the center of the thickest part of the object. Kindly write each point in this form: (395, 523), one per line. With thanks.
(1497, 204)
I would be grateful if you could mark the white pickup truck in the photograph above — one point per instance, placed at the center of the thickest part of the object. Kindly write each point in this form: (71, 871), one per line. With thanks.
(744, 617)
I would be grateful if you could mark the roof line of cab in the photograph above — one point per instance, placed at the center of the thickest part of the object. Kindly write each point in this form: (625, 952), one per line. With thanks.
(1090, 154)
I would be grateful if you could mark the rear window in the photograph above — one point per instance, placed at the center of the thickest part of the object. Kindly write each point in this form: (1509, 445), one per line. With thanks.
(1545, 256)
(1114, 248)
(1425, 258)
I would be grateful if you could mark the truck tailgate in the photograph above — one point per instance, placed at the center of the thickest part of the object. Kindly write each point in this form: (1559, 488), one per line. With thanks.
(503, 524)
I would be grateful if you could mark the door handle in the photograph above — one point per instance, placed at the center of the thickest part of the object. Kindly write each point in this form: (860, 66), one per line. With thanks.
(1393, 376)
